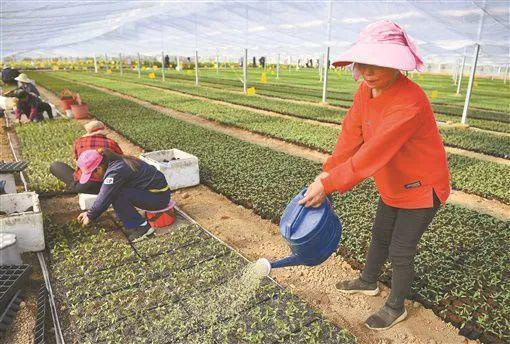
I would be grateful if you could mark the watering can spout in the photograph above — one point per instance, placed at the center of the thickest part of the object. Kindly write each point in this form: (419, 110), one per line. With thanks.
(287, 261)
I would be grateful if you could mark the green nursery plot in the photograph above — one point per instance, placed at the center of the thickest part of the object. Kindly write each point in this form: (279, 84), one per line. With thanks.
(43, 143)
(320, 137)
(461, 259)
(148, 301)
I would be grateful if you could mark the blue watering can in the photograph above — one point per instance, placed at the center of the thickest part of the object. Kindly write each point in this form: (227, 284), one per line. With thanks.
(313, 234)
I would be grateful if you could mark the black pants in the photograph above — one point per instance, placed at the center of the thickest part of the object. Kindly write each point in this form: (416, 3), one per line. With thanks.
(64, 172)
(395, 234)
(41, 107)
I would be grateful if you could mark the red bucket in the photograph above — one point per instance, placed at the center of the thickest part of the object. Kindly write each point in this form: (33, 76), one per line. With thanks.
(161, 219)
(66, 103)
(80, 111)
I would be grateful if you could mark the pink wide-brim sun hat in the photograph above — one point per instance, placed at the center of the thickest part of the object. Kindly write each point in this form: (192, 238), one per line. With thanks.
(383, 44)
(88, 161)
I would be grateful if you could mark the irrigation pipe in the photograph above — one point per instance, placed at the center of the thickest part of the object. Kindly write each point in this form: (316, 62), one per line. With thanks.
(56, 322)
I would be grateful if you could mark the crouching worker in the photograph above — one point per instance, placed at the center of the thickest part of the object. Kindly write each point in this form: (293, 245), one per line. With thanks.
(31, 106)
(95, 138)
(128, 183)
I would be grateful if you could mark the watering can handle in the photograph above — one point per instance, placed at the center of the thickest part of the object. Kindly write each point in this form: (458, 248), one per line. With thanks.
(301, 212)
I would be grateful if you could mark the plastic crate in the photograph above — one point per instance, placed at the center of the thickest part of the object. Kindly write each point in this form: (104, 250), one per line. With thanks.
(180, 168)
(21, 215)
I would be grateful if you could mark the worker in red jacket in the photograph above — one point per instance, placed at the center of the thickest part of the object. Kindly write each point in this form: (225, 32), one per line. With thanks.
(390, 134)
(94, 138)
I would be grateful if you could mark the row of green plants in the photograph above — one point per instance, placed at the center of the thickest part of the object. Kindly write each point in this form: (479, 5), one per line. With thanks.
(463, 256)
(467, 173)
(45, 142)
(150, 299)
(489, 107)
(478, 141)
(315, 112)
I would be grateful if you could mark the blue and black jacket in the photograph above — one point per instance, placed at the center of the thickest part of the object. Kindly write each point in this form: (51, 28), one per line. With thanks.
(119, 175)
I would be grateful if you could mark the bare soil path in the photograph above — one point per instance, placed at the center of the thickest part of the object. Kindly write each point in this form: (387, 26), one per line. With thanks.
(254, 237)
(480, 204)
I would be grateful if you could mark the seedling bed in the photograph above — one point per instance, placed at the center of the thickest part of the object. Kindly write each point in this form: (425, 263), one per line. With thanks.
(147, 299)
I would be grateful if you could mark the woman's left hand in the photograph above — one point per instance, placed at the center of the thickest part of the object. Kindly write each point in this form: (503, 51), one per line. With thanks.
(314, 195)
(83, 218)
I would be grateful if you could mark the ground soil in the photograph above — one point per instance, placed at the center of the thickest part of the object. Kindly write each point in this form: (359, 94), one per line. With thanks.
(480, 204)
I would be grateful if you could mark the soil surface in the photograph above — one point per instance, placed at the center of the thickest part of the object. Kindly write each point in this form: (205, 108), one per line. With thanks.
(480, 204)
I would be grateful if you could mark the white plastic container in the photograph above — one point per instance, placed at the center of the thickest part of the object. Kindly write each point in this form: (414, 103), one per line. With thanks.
(9, 253)
(86, 200)
(21, 215)
(180, 168)
(10, 182)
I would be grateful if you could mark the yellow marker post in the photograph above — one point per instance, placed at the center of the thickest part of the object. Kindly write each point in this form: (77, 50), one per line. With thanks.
(263, 78)
(250, 91)
(421, 77)
(152, 76)
(434, 94)
(109, 72)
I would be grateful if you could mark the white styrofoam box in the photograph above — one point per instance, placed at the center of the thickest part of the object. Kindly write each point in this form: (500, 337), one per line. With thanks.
(180, 168)
(10, 182)
(86, 200)
(22, 216)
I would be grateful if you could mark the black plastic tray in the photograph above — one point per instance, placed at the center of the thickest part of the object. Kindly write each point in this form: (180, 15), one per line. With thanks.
(12, 279)
(10, 167)
(7, 316)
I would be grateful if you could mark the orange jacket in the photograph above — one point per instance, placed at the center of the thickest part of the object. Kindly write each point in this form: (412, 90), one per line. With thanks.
(394, 138)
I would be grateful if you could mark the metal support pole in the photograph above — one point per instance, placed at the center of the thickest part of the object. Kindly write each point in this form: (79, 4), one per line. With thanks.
(321, 67)
(196, 67)
(120, 64)
(506, 74)
(163, 66)
(470, 84)
(139, 66)
(326, 57)
(245, 71)
(178, 63)
(290, 64)
(217, 64)
(106, 61)
(325, 78)
(95, 63)
(459, 82)
(278, 68)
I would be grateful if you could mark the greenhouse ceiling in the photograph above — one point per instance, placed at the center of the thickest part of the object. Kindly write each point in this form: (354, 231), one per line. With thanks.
(444, 30)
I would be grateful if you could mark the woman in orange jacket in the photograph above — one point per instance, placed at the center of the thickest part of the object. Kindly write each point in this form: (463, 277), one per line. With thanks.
(390, 134)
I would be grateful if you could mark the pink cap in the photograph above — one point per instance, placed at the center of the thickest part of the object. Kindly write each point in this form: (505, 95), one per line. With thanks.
(384, 44)
(88, 161)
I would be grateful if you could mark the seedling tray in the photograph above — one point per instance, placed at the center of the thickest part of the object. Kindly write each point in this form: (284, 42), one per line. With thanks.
(12, 279)
(8, 314)
(11, 167)
(158, 298)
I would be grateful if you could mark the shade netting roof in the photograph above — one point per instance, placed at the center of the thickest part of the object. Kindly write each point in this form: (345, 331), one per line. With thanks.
(444, 30)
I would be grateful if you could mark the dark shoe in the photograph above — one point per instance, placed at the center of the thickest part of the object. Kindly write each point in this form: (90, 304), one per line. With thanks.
(358, 286)
(139, 233)
(385, 318)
